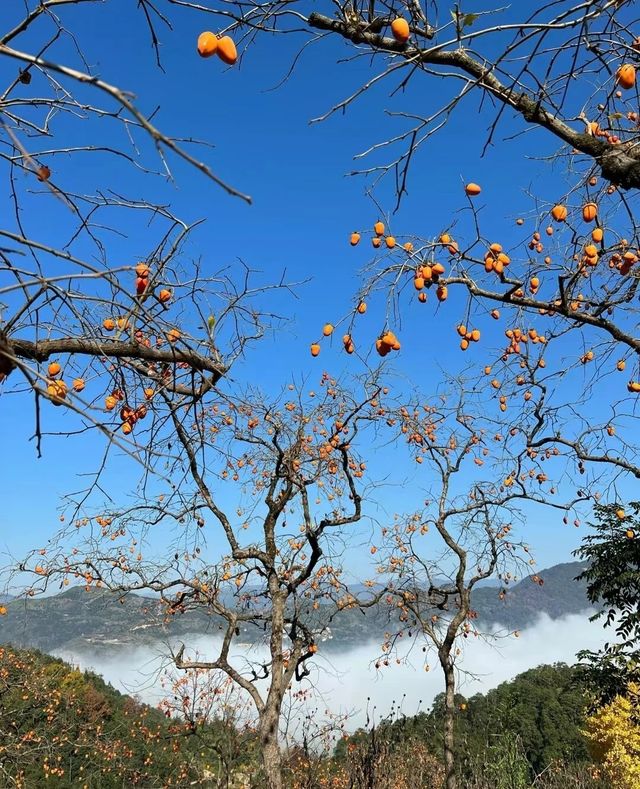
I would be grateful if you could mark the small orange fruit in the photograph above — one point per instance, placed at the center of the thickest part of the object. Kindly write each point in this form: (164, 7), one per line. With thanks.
(53, 369)
(165, 295)
(390, 242)
(57, 390)
(355, 238)
(227, 51)
(327, 329)
(378, 228)
(472, 189)
(626, 76)
(78, 384)
(559, 212)
(207, 44)
(173, 335)
(589, 212)
(400, 29)
(108, 324)
(315, 349)
(362, 308)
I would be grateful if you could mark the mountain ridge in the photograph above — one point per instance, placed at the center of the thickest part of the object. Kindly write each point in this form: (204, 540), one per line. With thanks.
(76, 618)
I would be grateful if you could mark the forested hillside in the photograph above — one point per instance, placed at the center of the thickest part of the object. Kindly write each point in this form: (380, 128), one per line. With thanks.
(61, 727)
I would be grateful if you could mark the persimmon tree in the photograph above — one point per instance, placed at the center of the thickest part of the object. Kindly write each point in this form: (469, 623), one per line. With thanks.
(281, 483)
(567, 69)
(208, 706)
(100, 297)
(549, 322)
(558, 67)
(479, 476)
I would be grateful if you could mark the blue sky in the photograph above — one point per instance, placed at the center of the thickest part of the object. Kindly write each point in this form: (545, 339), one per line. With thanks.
(303, 211)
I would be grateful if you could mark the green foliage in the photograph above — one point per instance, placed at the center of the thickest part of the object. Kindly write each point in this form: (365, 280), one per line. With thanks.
(503, 764)
(613, 584)
(512, 733)
(543, 708)
(62, 728)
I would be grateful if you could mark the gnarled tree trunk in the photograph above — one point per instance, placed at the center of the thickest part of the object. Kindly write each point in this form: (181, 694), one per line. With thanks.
(451, 781)
(269, 745)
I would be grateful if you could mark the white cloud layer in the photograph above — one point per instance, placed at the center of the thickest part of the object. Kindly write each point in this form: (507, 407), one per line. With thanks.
(345, 681)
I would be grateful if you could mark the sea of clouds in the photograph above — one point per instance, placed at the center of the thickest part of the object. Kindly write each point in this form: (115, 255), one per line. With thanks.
(348, 682)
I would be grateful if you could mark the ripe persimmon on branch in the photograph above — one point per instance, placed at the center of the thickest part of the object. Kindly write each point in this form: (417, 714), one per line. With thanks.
(547, 300)
(478, 479)
(261, 499)
(536, 62)
(100, 299)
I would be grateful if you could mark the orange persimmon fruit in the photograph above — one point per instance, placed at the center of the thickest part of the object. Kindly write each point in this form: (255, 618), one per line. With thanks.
(227, 51)
(400, 30)
(207, 44)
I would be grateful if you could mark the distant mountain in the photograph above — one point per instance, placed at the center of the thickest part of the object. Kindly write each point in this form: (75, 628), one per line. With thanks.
(77, 619)
(94, 618)
(520, 606)
(559, 595)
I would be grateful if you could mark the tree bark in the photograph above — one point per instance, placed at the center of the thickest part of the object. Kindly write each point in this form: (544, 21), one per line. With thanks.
(451, 781)
(269, 745)
(269, 726)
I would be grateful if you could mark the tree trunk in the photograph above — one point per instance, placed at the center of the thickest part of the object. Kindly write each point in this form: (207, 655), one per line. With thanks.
(451, 782)
(269, 745)
(269, 724)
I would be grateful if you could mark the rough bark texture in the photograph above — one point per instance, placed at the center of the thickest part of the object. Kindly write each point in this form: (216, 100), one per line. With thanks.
(270, 715)
(451, 781)
(269, 746)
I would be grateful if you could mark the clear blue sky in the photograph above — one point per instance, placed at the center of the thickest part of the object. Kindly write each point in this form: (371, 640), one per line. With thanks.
(303, 212)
